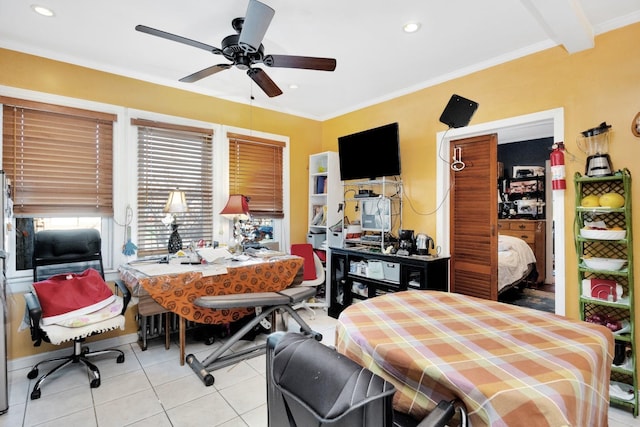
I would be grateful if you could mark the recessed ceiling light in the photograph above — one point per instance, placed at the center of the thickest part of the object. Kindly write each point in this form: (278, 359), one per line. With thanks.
(411, 27)
(41, 10)
(293, 86)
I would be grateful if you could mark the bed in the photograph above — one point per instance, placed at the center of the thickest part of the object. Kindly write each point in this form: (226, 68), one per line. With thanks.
(516, 262)
(506, 363)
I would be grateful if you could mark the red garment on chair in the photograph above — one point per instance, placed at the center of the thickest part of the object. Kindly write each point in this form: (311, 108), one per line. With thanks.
(305, 250)
(71, 294)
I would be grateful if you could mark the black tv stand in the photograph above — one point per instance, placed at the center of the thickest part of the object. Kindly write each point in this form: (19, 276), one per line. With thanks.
(406, 272)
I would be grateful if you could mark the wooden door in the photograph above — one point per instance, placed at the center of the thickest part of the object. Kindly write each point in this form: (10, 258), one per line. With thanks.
(474, 217)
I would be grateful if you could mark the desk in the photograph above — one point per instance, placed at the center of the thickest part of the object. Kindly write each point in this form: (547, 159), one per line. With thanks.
(176, 292)
(509, 365)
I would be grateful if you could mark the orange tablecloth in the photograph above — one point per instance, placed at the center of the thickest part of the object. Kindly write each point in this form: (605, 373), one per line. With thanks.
(511, 366)
(176, 292)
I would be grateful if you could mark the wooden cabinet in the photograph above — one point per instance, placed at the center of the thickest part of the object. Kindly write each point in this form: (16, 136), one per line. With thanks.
(357, 274)
(534, 233)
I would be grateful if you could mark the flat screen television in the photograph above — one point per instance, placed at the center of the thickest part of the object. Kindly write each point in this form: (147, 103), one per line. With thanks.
(370, 154)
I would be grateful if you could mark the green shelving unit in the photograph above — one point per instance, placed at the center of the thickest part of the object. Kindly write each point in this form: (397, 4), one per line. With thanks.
(606, 293)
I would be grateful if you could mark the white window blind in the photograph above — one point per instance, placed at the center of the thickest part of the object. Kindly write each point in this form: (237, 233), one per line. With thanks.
(59, 158)
(170, 157)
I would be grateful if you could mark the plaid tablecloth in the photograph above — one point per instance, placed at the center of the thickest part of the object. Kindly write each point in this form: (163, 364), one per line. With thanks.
(511, 366)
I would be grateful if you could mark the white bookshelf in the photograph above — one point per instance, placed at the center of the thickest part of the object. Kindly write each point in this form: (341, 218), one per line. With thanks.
(325, 197)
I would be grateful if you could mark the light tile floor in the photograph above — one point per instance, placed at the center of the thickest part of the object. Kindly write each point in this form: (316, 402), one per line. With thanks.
(152, 389)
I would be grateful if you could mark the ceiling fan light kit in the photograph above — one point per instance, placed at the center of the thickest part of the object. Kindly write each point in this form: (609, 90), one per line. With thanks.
(245, 50)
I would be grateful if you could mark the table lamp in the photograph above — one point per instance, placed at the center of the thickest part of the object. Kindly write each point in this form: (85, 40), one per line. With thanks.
(236, 209)
(176, 203)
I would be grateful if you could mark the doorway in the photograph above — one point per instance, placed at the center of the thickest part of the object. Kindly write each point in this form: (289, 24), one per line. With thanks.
(530, 126)
(524, 173)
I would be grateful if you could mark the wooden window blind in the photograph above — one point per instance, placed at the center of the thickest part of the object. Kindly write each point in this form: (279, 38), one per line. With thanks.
(255, 170)
(170, 157)
(59, 158)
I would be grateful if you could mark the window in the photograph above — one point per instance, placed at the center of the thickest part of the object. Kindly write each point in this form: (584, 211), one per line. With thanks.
(169, 157)
(58, 158)
(60, 162)
(255, 170)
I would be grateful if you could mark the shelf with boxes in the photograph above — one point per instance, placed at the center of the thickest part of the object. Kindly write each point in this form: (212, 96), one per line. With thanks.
(325, 194)
(604, 246)
(372, 212)
(357, 274)
(522, 193)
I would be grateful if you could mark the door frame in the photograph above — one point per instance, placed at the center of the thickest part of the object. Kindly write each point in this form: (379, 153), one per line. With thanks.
(520, 128)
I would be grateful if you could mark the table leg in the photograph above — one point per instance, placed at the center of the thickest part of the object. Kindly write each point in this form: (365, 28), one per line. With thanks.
(167, 330)
(182, 339)
(143, 332)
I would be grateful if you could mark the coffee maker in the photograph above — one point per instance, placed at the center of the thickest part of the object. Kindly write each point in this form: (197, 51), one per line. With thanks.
(406, 242)
(596, 147)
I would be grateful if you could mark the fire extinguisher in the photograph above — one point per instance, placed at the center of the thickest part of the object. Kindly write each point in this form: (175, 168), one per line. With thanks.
(558, 173)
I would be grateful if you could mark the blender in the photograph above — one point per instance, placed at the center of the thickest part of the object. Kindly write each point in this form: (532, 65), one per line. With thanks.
(596, 147)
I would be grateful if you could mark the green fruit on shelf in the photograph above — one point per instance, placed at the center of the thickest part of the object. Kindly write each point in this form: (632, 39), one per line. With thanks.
(591, 201)
(611, 200)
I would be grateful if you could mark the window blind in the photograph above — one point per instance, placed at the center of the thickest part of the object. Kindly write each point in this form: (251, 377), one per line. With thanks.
(59, 158)
(255, 170)
(170, 157)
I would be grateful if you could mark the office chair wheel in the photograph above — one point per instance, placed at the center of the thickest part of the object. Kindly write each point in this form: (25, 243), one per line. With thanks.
(35, 394)
(95, 383)
(120, 359)
(315, 335)
(33, 374)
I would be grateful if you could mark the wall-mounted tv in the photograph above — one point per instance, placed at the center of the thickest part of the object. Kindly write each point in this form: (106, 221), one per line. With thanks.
(370, 154)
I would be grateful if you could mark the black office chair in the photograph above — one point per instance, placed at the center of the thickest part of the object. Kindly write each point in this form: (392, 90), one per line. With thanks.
(312, 385)
(71, 251)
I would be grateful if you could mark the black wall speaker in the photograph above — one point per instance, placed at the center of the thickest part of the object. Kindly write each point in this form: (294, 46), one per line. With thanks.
(458, 112)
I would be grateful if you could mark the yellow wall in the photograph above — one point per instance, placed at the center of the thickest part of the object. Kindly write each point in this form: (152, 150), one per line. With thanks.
(593, 86)
(600, 84)
(43, 75)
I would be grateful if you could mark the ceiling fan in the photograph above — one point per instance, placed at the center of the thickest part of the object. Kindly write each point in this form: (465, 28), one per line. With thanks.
(245, 49)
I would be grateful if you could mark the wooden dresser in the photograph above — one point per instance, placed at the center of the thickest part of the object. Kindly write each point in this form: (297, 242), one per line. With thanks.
(534, 233)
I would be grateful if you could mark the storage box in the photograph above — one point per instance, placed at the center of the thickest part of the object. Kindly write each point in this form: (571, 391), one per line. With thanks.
(335, 239)
(316, 239)
(375, 269)
(391, 271)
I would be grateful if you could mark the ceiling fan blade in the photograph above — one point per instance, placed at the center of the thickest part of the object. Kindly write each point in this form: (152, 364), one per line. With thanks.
(306, 62)
(205, 73)
(175, 38)
(264, 81)
(255, 26)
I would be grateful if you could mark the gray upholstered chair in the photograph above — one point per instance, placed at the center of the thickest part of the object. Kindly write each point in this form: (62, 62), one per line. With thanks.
(310, 384)
(67, 252)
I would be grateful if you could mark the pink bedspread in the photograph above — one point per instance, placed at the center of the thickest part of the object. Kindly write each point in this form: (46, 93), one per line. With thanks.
(509, 365)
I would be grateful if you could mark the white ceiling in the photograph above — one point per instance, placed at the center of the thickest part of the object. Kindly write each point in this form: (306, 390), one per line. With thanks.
(376, 60)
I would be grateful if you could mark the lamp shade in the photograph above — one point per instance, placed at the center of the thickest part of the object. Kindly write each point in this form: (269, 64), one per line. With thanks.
(176, 203)
(237, 207)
